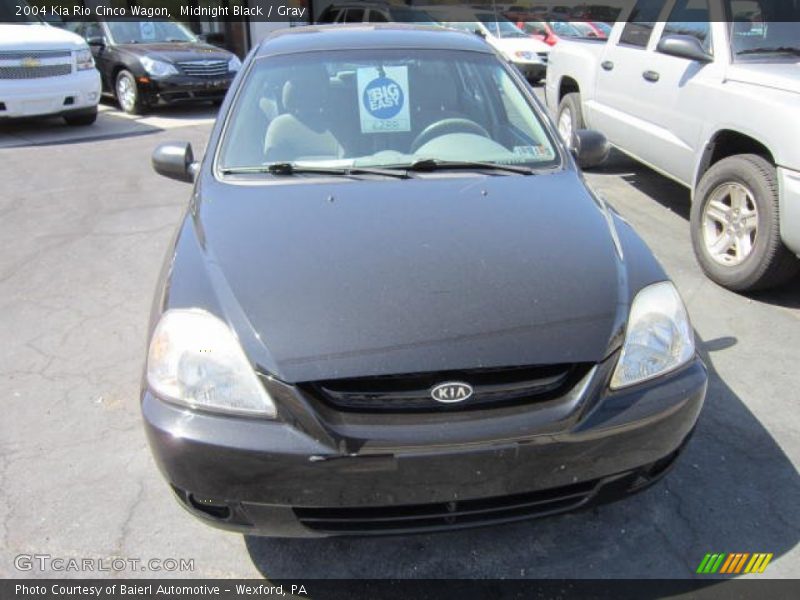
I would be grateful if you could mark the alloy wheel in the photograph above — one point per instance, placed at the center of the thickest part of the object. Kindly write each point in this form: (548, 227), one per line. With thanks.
(730, 224)
(126, 93)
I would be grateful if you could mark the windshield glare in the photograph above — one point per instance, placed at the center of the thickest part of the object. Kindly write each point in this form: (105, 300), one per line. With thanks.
(149, 32)
(382, 108)
(764, 29)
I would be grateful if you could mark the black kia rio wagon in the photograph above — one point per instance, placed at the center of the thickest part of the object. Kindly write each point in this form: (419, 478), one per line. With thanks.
(394, 306)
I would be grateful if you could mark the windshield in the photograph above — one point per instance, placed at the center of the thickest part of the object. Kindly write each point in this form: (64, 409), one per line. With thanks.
(149, 32)
(762, 30)
(387, 108)
(409, 15)
(565, 29)
(500, 27)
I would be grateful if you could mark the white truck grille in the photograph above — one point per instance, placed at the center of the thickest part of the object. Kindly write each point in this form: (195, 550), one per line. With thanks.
(35, 64)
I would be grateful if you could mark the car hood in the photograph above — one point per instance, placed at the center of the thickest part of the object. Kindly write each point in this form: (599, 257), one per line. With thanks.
(177, 52)
(346, 279)
(783, 76)
(21, 37)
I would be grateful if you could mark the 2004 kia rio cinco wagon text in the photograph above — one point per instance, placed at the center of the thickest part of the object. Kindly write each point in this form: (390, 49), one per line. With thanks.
(393, 304)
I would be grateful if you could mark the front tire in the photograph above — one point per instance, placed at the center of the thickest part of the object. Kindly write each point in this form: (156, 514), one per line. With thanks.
(735, 226)
(127, 92)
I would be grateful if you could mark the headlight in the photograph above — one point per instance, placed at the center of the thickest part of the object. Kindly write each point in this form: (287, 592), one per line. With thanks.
(523, 54)
(234, 64)
(157, 68)
(194, 359)
(658, 339)
(84, 60)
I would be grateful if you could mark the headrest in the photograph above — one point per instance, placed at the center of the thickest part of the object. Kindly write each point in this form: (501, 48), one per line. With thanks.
(306, 90)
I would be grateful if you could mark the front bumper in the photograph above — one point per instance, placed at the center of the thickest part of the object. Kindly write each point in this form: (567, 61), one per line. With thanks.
(789, 185)
(49, 95)
(356, 474)
(184, 88)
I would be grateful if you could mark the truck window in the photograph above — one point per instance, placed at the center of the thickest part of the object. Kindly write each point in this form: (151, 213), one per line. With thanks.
(354, 15)
(640, 23)
(691, 17)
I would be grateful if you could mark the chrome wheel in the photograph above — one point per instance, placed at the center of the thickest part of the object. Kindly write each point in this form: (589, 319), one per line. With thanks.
(565, 125)
(730, 224)
(126, 92)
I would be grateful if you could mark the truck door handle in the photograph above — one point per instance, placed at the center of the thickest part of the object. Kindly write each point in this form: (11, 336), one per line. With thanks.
(651, 76)
(607, 65)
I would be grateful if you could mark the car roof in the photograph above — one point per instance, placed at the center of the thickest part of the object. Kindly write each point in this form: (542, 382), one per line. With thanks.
(311, 38)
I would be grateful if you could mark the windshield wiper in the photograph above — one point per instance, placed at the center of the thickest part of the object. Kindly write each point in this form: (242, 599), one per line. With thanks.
(434, 164)
(292, 169)
(776, 50)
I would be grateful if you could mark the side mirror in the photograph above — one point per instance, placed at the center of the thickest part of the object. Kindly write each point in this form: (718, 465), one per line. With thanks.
(98, 41)
(590, 148)
(684, 46)
(479, 33)
(176, 161)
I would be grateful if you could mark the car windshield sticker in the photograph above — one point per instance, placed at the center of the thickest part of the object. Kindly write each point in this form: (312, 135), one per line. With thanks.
(148, 30)
(537, 152)
(383, 99)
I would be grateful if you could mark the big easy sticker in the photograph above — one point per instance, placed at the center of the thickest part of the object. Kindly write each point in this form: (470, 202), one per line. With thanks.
(383, 99)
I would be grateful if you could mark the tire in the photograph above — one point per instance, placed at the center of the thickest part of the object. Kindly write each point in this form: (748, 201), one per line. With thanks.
(735, 226)
(570, 116)
(82, 118)
(128, 97)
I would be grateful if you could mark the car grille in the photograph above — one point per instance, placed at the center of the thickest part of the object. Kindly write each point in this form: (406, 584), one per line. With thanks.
(412, 393)
(7, 72)
(13, 55)
(444, 515)
(203, 68)
(544, 56)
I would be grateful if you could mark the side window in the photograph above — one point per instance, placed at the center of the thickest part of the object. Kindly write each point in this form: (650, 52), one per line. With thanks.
(354, 15)
(640, 23)
(376, 16)
(691, 17)
(92, 30)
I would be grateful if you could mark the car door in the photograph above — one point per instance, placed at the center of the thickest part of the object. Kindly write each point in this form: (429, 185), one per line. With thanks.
(675, 93)
(614, 105)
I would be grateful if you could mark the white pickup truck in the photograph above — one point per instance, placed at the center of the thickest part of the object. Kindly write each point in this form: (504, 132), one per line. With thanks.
(707, 92)
(44, 70)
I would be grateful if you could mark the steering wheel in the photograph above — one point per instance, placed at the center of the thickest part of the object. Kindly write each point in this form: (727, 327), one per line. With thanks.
(445, 126)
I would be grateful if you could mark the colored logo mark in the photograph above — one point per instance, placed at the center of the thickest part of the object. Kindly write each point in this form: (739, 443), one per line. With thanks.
(735, 563)
(383, 98)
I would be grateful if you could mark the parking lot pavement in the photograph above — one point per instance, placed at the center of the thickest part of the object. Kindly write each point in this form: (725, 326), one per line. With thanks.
(111, 124)
(85, 227)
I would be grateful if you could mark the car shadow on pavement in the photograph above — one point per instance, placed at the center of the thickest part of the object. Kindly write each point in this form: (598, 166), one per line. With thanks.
(50, 131)
(670, 194)
(733, 490)
(111, 124)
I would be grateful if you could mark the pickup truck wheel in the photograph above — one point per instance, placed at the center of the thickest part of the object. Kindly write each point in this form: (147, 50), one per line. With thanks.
(570, 116)
(735, 226)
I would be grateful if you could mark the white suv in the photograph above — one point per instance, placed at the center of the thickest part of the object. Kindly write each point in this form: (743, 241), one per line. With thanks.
(46, 71)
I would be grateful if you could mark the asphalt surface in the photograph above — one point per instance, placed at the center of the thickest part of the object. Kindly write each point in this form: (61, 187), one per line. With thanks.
(85, 224)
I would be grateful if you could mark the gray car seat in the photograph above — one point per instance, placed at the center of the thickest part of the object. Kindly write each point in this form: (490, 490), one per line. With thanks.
(302, 131)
